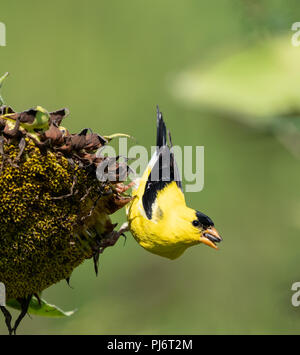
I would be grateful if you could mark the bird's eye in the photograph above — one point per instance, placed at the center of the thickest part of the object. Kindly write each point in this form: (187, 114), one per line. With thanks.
(196, 223)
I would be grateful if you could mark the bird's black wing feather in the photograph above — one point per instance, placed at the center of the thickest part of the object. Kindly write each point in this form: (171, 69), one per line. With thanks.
(164, 171)
(161, 135)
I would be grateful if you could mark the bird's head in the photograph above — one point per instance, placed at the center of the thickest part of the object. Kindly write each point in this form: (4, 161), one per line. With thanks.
(203, 228)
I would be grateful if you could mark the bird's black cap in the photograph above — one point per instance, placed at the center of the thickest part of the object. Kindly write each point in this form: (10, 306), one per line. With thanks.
(204, 220)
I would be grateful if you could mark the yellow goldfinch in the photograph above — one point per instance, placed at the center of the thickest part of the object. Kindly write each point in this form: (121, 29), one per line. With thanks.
(158, 216)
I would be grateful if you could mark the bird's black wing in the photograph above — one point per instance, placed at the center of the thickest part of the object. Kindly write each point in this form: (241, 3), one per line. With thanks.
(164, 170)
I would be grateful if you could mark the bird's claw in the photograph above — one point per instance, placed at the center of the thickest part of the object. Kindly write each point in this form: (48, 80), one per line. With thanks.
(114, 237)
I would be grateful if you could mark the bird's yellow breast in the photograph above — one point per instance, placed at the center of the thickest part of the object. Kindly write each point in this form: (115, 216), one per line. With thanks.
(168, 233)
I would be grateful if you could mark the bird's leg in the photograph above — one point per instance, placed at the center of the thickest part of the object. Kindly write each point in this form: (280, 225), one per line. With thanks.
(109, 241)
(24, 308)
(121, 188)
(8, 319)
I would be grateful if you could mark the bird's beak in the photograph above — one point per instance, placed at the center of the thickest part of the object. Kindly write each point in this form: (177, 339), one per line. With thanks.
(210, 237)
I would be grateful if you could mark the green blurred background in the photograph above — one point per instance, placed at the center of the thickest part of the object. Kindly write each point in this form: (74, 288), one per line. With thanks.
(110, 63)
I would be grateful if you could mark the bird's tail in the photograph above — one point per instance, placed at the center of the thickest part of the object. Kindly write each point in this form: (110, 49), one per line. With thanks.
(161, 138)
